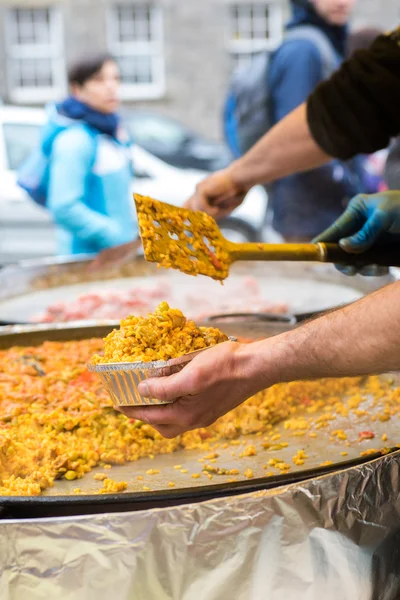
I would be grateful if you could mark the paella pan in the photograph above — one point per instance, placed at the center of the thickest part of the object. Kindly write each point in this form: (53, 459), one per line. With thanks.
(292, 433)
(55, 290)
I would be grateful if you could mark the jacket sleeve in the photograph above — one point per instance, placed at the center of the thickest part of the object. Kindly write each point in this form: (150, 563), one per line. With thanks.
(297, 70)
(357, 109)
(71, 164)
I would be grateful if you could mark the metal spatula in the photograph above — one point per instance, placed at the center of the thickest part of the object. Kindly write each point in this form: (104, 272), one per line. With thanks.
(192, 243)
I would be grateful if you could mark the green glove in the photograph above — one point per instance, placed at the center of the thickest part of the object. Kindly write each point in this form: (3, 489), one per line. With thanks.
(366, 221)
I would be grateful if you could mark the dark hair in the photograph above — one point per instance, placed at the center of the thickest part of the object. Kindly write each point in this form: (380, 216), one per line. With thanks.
(85, 68)
(362, 39)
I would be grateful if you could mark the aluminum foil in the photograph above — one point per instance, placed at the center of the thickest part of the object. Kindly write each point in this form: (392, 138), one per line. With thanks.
(333, 538)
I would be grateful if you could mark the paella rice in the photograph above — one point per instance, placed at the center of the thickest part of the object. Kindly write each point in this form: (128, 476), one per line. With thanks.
(163, 335)
(56, 421)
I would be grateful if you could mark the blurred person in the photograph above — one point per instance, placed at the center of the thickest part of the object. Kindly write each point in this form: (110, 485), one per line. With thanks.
(275, 83)
(304, 204)
(89, 175)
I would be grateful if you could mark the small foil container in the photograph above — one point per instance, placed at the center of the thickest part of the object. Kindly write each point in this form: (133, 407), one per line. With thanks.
(121, 380)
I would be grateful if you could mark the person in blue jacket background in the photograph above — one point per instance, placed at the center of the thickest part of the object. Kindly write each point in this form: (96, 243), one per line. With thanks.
(90, 169)
(305, 204)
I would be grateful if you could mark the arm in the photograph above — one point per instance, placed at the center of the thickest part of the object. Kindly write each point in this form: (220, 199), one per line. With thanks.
(286, 149)
(362, 338)
(290, 148)
(71, 163)
(355, 111)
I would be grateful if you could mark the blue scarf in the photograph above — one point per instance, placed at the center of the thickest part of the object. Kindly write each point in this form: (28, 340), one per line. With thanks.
(304, 13)
(74, 109)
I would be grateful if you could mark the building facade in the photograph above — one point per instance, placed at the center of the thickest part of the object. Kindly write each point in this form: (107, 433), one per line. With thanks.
(175, 55)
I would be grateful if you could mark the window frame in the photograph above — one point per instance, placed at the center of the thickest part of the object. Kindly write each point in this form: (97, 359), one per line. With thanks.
(152, 48)
(55, 47)
(242, 48)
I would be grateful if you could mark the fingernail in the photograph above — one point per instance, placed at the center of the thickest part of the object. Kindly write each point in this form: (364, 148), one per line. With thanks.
(374, 271)
(347, 270)
(345, 244)
(144, 389)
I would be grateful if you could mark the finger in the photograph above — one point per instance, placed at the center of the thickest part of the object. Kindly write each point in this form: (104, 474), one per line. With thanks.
(348, 270)
(202, 202)
(349, 222)
(145, 415)
(181, 415)
(169, 431)
(377, 224)
(169, 388)
(163, 414)
(221, 205)
(231, 203)
(224, 210)
(189, 203)
(374, 271)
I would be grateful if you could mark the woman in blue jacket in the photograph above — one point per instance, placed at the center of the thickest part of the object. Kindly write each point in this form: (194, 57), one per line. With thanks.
(305, 204)
(90, 169)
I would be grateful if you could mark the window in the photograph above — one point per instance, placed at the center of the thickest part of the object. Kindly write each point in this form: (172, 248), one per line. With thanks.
(254, 27)
(20, 140)
(35, 65)
(136, 40)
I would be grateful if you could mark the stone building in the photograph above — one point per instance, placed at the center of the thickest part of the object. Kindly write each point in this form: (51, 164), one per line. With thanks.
(175, 55)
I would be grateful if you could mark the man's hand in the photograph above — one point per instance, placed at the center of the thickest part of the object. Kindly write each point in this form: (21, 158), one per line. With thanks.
(115, 256)
(218, 195)
(364, 338)
(211, 385)
(366, 221)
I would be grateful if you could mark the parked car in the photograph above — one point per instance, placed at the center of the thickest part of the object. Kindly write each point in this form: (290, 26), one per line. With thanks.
(174, 143)
(27, 231)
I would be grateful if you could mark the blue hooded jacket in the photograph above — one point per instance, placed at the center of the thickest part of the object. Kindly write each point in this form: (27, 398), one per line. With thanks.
(90, 180)
(303, 205)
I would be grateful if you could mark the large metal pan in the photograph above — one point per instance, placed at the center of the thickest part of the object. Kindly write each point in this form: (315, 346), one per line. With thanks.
(59, 501)
(28, 288)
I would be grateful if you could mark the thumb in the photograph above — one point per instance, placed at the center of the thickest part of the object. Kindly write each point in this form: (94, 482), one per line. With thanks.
(349, 222)
(366, 237)
(166, 389)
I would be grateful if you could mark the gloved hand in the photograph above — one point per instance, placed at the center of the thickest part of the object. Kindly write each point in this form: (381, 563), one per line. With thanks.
(366, 221)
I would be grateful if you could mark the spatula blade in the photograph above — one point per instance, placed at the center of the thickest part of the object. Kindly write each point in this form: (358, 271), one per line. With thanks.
(182, 239)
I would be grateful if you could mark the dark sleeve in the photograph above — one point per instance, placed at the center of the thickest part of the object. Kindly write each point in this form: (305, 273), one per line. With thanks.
(358, 109)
